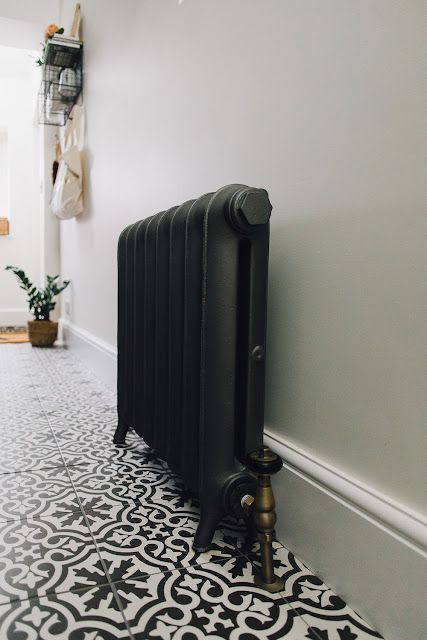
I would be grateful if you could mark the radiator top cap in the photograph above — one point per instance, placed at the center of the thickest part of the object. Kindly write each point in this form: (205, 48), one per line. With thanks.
(251, 208)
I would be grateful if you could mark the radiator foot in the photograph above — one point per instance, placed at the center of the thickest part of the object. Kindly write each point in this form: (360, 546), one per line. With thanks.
(150, 454)
(120, 434)
(264, 463)
(206, 529)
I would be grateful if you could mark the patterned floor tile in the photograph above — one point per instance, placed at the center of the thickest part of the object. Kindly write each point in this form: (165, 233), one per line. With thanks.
(344, 628)
(141, 520)
(75, 427)
(146, 538)
(326, 614)
(27, 439)
(112, 482)
(100, 433)
(50, 554)
(212, 600)
(19, 457)
(90, 614)
(84, 415)
(41, 492)
(97, 449)
(34, 420)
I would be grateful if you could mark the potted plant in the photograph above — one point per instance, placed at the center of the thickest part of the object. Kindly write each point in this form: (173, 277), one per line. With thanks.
(42, 332)
(49, 33)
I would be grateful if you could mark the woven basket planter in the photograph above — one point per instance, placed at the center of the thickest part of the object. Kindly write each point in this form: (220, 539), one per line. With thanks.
(42, 333)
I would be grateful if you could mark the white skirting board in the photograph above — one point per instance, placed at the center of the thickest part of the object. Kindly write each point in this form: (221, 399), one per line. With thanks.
(99, 356)
(369, 548)
(14, 317)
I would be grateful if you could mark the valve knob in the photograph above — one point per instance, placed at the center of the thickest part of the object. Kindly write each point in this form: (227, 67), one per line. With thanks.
(264, 462)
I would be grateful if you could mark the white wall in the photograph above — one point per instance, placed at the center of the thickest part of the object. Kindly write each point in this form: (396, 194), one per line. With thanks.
(34, 236)
(19, 34)
(22, 247)
(4, 173)
(324, 105)
(43, 12)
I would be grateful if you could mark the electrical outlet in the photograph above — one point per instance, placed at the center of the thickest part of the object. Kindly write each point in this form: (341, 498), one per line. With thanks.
(67, 308)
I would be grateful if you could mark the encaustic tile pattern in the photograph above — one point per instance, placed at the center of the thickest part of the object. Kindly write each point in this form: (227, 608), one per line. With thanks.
(95, 539)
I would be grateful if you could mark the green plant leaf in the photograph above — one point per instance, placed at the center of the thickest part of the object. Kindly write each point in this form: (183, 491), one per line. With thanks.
(40, 301)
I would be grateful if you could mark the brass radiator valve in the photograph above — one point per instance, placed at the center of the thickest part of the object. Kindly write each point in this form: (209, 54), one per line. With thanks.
(265, 463)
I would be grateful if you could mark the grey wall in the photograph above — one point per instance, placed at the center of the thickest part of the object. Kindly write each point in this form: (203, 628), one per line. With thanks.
(322, 103)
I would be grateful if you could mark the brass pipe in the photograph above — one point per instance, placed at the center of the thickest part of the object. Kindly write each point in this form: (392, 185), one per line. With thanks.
(267, 563)
(264, 463)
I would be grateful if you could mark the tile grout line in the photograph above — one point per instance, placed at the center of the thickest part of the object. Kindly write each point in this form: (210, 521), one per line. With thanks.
(104, 567)
(40, 516)
(30, 469)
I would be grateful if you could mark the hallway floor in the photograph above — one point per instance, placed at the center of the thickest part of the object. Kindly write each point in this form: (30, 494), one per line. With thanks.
(95, 539)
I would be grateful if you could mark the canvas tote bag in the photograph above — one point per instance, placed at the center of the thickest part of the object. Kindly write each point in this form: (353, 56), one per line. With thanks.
(67, 194)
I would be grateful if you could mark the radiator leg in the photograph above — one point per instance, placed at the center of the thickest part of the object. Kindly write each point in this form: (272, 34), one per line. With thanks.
(205, 531)
(120, 433)
(264, 463)
(150, 454)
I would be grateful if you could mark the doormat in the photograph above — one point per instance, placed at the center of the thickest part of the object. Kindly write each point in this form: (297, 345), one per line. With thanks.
(13, 335)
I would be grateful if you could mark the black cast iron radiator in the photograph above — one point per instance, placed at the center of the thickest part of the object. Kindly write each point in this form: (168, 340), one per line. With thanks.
(191, 342)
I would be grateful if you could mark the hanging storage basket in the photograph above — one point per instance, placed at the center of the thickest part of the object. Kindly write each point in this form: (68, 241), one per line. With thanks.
(62, 80)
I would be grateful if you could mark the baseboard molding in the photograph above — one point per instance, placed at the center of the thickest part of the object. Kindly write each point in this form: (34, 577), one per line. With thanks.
(14, 317)
(368, 547)
(394, 518)
(100, 356)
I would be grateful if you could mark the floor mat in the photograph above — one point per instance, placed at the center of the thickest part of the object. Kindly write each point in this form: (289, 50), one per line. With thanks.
(13, 337)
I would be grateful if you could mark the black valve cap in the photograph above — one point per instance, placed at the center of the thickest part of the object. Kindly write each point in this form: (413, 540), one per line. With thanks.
(250, 209)
(264, 462)
(255, 207)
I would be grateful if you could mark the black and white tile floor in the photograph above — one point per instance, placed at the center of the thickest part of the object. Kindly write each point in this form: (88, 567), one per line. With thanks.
(95, 540)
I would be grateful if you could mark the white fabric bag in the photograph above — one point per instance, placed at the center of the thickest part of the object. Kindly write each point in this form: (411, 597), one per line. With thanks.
(67, 195)
(67, 200)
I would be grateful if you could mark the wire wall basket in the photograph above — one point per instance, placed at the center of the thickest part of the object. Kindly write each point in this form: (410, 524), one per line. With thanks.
(62, 81)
